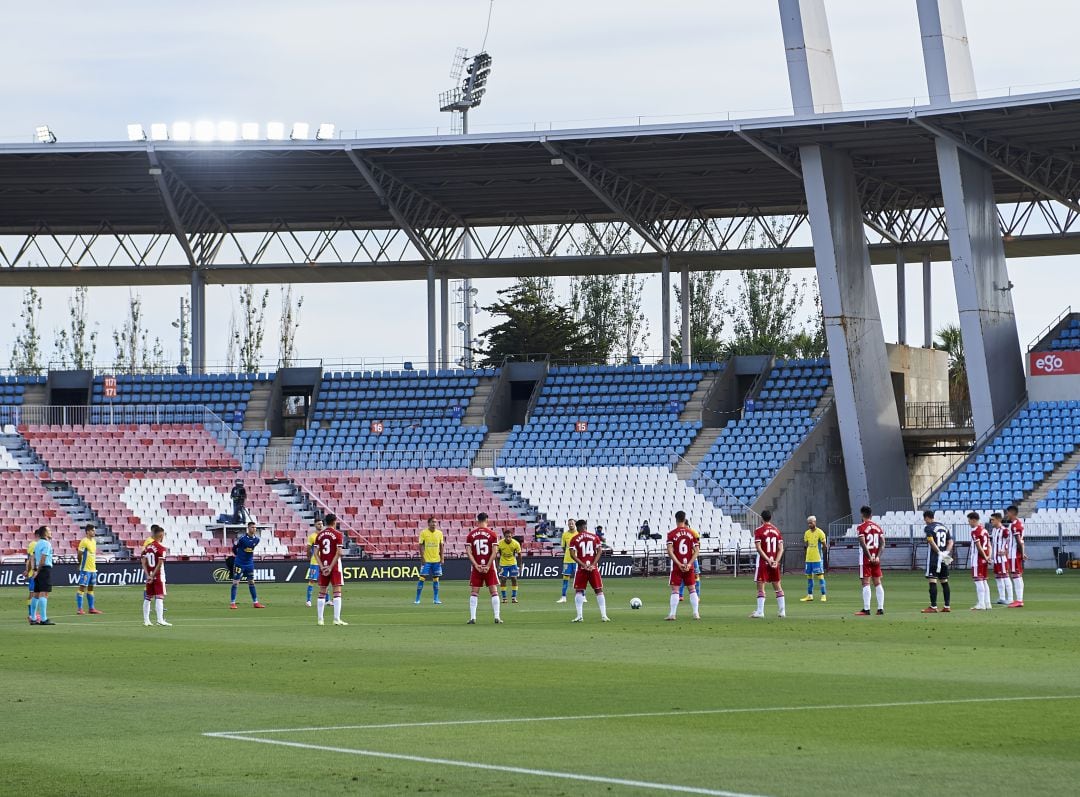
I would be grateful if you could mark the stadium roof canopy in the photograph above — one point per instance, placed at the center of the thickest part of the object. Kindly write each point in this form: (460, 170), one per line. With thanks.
(715, 194)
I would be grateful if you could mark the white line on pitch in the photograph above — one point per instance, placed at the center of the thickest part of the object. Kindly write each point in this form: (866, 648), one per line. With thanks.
(544, 773)
(645, 714)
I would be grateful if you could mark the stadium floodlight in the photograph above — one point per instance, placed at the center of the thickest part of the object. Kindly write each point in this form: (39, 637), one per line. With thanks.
(44, 135)
(136, 132)
(300, 131)
(249, 131)
(204, 131)
(325, 132)
(181, 131)
(473, 85)
(159, 131)
(275, 131)
(227, 131)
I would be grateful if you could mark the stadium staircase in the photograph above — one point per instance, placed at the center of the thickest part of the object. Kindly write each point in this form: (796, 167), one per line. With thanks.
(688, 463)
(1036, 498)
(258, 405)
(277, 454)
(696, 408)
(21, 454)
(489, 450)
(68, 498)
(476, 410)
(36, 395)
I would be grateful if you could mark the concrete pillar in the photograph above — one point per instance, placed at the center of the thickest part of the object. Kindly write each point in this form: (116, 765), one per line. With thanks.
(874, 458)
(901, 298)
(431, 323)
(810, 65)
(198, 322)
(665, 307)
(927, 303)
(980, 273)
(444, 321)
(687, 346)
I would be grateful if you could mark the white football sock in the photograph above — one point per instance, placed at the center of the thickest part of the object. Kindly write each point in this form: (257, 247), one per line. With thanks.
(781, 603)
(1018, 587)
(321, 604)
(761, 604)
(695, 601)
(579, 602)
(159, 604)
(1008, 588)
(496, 605)
(866, 598)
(879, 593)
(601, 603)
(337, 607)
(986, 594)
(1000, 588)
(674, 603)
(146, 610)
(473, 600)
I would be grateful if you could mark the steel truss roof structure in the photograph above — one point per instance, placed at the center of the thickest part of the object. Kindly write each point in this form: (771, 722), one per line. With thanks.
(717, 195)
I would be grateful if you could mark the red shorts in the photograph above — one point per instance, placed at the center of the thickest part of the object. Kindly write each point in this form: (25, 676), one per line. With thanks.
(868, 569)
(155, 588)
(765, 573)
(490, 578)
(332, 579)
(679, 578)
(979, 568)
(584, 578)
(1001, 569)
(1016, 565)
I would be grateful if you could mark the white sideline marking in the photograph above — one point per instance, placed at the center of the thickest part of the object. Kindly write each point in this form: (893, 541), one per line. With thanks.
(545, 773)
(641, 714)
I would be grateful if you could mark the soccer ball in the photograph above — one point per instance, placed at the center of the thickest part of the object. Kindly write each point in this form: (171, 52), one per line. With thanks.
(635, 603)
(1059, 571)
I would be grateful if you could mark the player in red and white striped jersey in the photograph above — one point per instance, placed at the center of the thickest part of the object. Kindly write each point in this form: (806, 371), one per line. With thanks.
(999, 547)
(1017, 555)
(980, 562)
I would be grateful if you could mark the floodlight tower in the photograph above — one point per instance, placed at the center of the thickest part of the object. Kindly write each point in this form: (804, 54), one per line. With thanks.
(458, 101)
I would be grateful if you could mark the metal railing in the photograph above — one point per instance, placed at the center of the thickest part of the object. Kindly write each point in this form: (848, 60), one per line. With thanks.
(938, 415)
(1061, 317)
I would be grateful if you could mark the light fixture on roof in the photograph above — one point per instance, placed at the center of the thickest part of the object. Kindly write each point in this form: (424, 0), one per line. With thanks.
(136, 133)
(300, 131)
(159, 131)
(204, 131)
(249, 131)
(325, 132)
(44, 135)
(275, 131)
(181, 131)
(227, 131)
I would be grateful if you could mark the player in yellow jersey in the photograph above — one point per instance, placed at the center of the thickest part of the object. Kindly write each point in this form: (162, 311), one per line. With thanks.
(432, 556)
(569, 566)
(87, 571)
(313, 561)
(816, 546)
(30, 579)
(509, 564)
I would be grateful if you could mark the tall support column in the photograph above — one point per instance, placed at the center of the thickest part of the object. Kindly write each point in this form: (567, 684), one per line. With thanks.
(901, 298)
(980, 273)
(810, 66)
(687, 344)
(927, 303)
(665, 307)
(431, 328)
(874, 458)
(444, 321)
(198, 322)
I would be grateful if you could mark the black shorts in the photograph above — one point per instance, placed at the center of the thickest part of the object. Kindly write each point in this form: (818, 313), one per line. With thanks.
(43, 580)
(935, 568)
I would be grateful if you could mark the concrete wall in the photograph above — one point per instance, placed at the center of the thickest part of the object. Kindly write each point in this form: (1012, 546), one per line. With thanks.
(925, 469)
(1053, 388)
(925, 372)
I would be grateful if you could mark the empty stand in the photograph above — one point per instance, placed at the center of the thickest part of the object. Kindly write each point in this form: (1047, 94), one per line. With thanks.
(24, 505)
(126, 446)
(226, 395)
(391, 419)
(1067, 338)
(385, 510)
(602, 415)
(620, 499)
(749, 451)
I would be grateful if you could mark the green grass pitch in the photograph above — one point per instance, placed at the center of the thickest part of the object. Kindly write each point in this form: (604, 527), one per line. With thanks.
(976, 703)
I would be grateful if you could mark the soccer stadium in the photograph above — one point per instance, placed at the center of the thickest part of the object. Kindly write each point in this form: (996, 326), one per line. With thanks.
(480, 571)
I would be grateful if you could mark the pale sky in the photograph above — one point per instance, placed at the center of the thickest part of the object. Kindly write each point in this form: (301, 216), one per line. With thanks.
(87, 70)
